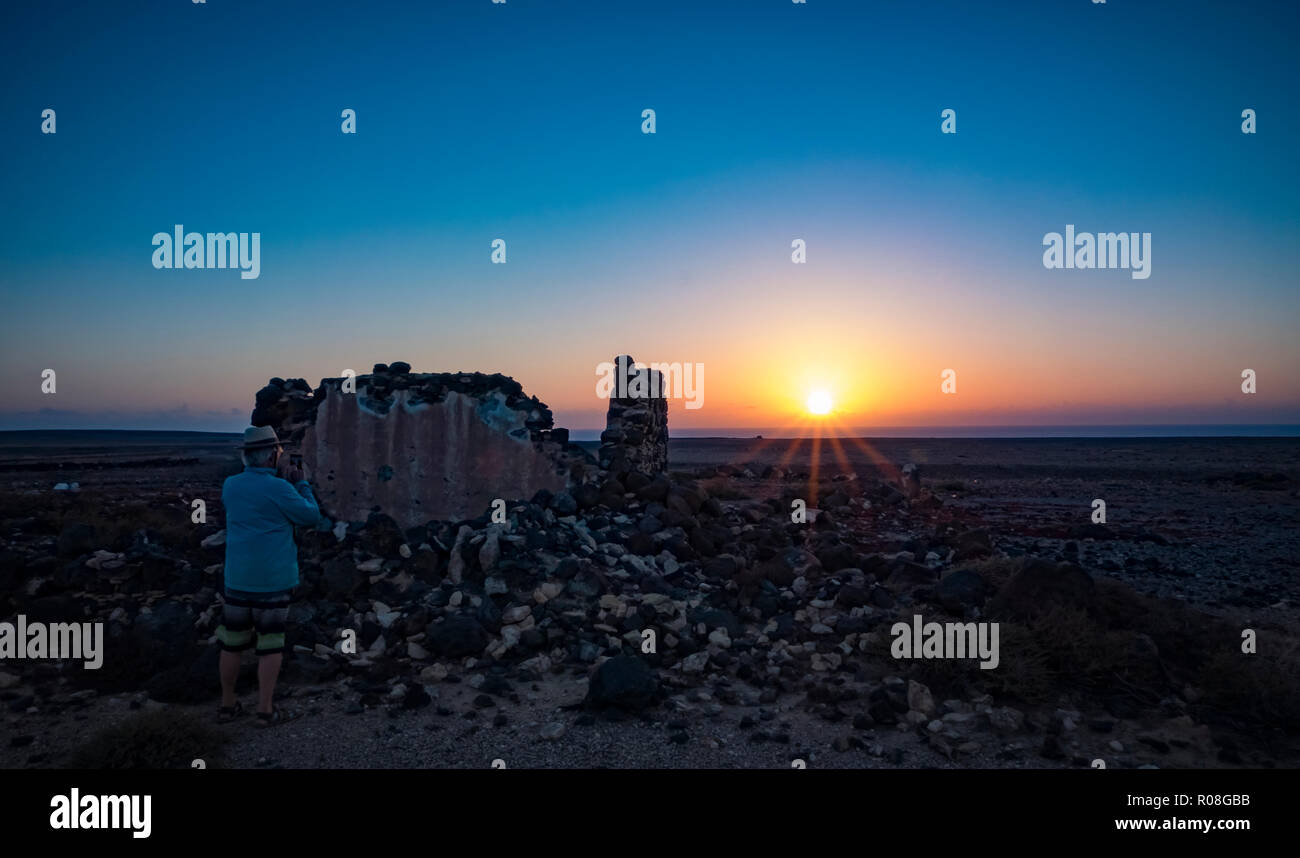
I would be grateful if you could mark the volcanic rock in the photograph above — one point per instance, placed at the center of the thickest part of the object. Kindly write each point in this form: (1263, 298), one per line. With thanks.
(624, 682)
(456, 637)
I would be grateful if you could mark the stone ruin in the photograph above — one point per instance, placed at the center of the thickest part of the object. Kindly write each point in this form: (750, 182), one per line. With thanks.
(443, 446)
(420, 446)
(636, 427)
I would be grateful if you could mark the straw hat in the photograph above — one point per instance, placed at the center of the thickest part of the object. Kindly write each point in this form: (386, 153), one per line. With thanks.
(256, 437)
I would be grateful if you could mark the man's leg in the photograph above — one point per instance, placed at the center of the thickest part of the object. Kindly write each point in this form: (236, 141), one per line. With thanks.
(236, 635)
(269, 620)
(268, 671)
(229, 674)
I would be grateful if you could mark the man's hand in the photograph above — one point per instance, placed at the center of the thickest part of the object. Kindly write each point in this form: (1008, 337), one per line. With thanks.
(291, 472)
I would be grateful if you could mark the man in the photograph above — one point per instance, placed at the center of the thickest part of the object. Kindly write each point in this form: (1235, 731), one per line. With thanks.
(262, 506)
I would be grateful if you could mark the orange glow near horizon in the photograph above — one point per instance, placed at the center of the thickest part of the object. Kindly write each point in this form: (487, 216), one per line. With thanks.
(835, 435)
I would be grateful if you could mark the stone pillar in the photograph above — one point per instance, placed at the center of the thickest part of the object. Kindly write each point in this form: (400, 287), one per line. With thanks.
(636, 425)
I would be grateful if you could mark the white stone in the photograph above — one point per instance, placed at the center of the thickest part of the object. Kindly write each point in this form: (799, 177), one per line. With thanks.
(919, 698)
(434, 673)
(547, 591)
(510, 636)
(695, 662)
(456, 565)
(515, 613)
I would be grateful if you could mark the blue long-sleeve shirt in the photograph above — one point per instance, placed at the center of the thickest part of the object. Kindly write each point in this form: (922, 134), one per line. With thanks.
(261, 510)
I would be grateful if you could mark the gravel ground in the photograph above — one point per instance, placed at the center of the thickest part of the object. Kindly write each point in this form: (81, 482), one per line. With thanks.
(1225, 539)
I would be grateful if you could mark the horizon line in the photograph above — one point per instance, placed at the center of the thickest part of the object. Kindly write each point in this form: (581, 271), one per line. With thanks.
(954, 432)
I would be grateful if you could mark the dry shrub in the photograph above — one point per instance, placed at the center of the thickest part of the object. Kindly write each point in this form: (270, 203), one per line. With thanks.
(44, 506)
(1182, 633)
(1262, 686)
(115, 523)
(949, 677)
(1145, 648)
(1064, 650)
(997, 571)
(159, 739)
(1023, 669)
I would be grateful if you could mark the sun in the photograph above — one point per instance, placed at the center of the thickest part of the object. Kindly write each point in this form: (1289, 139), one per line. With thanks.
(819, 402)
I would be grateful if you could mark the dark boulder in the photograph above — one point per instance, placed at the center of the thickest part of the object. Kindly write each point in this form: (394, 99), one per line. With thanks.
(623, 682)
(564, 504)
(456, 637)
(908, 576)
(340, 578)
(853, 596)
(382, 535)
(721, 568)
(587, 495)
(656, 490)
(836, 557)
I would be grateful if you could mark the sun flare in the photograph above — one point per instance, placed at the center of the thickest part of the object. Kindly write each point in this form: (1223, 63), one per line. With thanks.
(819, 402)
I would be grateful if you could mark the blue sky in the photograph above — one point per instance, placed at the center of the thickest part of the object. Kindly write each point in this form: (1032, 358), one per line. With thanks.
(522, 120)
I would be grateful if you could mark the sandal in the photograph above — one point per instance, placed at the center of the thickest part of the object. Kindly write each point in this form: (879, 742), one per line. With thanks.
(277, 716)
(226, 714)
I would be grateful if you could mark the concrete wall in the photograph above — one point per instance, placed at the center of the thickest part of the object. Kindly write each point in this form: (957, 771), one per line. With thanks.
(420, 447)
(444, 460)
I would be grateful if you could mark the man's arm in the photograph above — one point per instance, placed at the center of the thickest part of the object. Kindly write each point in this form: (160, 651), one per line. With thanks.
(297, 502)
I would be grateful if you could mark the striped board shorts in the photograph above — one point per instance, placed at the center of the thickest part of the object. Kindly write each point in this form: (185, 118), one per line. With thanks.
(246, 613)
